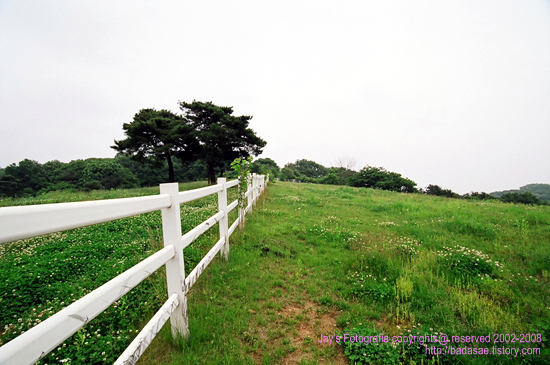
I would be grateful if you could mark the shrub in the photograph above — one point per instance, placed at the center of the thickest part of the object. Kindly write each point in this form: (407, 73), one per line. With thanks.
(380, 178)
(479, 196)
(92, 185)
(438, 191)
(109, 173)
(468, 262)
(367, 286)
(523, 198)
(330, 179)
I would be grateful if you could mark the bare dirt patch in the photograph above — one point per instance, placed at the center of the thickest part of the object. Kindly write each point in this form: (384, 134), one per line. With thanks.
(312, 321)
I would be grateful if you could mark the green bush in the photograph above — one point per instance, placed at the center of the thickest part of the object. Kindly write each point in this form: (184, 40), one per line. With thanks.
(367, 286)
(92, 185)
(380, 178)
(438, 191)
(330, 179)
(468, 262)
(523, 198)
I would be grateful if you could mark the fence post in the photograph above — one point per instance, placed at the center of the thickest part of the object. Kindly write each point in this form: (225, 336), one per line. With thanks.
(242, 211)
(259, 185)
(250, 189)
(222, 206)
(175, 269)
(255, 187)
(262, 179)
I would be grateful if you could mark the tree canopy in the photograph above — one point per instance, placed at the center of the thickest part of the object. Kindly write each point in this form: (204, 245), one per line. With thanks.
(266, 166)
(380, 178)
(541, 191)
(157, 136)
(526, 197)
(222, 136)
(304, 170)
(439, 191)
(24, 178)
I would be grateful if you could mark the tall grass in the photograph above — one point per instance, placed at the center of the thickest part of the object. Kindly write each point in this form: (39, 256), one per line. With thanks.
(313, 260)
(322, 260)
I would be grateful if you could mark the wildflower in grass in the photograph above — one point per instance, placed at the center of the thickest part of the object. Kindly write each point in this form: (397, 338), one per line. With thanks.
(467, 261)
(365, 285)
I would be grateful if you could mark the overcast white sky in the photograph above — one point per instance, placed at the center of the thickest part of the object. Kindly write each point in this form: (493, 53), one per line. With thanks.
(454, 93)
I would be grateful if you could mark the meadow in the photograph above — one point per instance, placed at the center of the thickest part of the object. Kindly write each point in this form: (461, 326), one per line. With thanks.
(312, 261)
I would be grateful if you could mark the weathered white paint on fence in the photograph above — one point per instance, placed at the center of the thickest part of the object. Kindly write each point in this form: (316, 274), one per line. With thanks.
(233, 205)
(200, 229)
(249, 194)
(29, 221)
(138, 346)
(232, 183)
(201, 266)
(233, 226)
(222, 207)
(175, 267)
(190, 195)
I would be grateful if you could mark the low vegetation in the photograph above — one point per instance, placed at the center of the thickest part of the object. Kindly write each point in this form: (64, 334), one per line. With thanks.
(313, 261)
(42, 275)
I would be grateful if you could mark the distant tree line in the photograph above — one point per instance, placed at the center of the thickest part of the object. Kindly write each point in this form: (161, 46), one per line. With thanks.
(523, 196)
(343, 174)
(29, 178)
(202, 142)
(379, 178)
(541, 191)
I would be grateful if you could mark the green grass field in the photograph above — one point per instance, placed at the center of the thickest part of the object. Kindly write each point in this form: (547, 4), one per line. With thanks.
(313, 260)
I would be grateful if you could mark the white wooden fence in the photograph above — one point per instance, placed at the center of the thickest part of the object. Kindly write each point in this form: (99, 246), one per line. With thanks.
(28, 221)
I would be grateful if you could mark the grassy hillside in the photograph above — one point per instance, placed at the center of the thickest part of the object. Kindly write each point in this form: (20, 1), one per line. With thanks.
(326, 260)
(42, 275)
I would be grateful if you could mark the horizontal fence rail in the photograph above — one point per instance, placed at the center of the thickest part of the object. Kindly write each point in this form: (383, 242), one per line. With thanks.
(17, 223)
(29, 221)
(200, 229)
(37, 342)
(152, 328)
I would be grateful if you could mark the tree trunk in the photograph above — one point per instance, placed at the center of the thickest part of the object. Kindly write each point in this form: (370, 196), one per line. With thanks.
(171, 178)
(211, 173)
